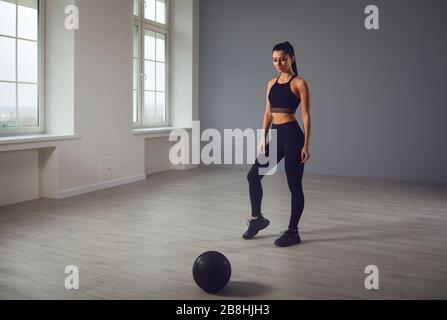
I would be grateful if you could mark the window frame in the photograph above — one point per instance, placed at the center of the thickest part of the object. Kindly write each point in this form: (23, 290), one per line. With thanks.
(146, 24)
(40, 128)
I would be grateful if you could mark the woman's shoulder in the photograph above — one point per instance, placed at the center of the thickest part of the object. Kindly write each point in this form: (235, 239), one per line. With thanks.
(298, 82)
(271, 82)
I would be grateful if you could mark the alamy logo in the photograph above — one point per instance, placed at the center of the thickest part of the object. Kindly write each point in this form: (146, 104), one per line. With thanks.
(372, 20)
(72, 281)
(72, 20)
(372, 280)
(188, 150)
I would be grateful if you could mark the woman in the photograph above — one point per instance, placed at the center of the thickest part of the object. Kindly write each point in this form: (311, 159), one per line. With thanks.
(284, 95)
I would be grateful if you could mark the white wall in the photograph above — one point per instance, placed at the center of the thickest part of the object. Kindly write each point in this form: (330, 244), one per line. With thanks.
(184, 63)
(103, 97)
(98, 105)
(59, 69)
(19, 176)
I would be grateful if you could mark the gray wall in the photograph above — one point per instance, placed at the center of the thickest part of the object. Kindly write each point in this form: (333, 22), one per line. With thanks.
(378, 105)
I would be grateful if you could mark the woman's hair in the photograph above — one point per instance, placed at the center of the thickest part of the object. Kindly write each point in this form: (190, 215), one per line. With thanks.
(288, 48)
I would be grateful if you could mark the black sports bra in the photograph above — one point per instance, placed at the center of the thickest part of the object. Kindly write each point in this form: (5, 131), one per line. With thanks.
(282, 99)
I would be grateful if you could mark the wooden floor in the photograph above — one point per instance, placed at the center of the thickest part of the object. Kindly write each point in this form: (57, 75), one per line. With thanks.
(139, 241)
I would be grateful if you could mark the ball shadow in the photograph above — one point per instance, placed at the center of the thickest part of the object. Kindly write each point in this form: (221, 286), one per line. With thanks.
(243, 289)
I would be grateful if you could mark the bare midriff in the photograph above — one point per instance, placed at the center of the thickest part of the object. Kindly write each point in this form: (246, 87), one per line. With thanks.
(280, 118)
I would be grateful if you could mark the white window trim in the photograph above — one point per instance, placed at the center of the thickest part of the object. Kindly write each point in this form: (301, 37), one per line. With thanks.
(40, 129)
(15, 143)
(155, 26)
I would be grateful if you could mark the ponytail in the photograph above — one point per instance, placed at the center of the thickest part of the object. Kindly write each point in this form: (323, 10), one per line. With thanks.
(294, 67)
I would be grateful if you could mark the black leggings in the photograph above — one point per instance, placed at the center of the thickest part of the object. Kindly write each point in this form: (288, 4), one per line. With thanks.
(290, 141)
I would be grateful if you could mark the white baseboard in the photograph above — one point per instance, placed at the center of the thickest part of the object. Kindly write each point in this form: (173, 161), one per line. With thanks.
(99, 186)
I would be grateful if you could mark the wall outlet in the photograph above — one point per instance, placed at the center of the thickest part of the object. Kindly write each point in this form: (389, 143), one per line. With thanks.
(106, 170)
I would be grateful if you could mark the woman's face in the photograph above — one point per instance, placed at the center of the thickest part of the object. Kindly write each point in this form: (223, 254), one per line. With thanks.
(282, 61)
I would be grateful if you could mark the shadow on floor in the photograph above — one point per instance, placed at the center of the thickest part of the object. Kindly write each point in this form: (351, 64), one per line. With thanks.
(244, 289)
(339, 239)
(265, 236)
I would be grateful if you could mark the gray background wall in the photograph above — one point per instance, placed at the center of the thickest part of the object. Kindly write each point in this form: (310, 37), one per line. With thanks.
(377, 97)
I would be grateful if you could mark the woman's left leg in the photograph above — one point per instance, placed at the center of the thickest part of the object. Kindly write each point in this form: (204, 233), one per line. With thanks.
(293, 139)
(294, 171)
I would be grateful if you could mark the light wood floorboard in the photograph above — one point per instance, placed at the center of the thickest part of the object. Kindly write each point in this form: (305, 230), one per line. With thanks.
(139, 241)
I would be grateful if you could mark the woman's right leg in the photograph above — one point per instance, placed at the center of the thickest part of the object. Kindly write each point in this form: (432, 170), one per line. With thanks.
(254, 180)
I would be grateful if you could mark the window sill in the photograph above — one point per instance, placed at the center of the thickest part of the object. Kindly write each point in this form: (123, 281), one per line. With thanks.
(157, 132)
(27, 142)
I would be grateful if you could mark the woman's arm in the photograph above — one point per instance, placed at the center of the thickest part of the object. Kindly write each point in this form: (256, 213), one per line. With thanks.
(268, 111)
(305, 110)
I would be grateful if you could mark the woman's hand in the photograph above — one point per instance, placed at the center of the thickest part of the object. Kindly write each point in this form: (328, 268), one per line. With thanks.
(262, 145)
(305, 154)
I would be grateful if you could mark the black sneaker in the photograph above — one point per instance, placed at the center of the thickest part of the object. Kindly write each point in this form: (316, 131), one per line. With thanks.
(288, 238)
(254, 226)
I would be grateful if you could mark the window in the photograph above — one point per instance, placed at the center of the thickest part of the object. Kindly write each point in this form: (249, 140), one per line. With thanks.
(150, 64)
(20, 67)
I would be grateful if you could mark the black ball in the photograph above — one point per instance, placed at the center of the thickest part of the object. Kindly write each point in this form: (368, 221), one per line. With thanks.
(211, 271)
